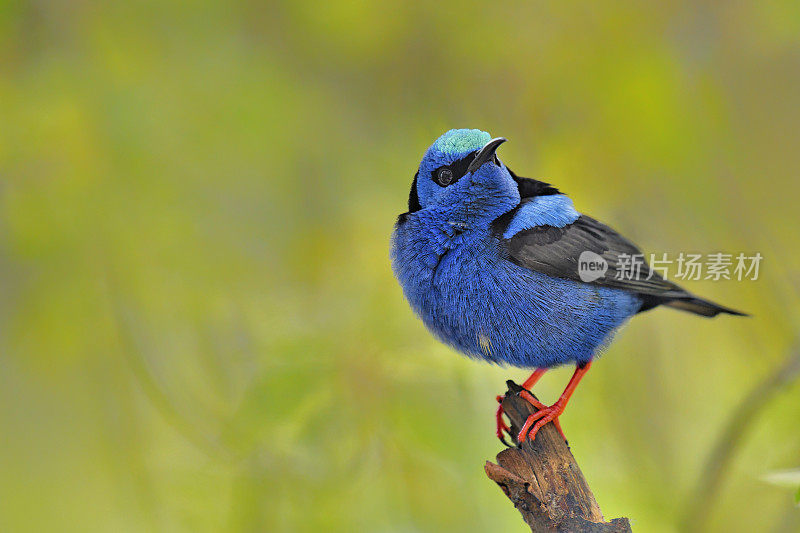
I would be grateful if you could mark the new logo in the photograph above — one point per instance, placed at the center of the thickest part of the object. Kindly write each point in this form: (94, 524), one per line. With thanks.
(591, 266)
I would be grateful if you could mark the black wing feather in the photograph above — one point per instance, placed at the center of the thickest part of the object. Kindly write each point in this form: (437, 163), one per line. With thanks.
(555, 252)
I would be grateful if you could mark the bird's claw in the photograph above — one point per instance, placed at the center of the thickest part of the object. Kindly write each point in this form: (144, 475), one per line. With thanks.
(545, 414)
(502, 427)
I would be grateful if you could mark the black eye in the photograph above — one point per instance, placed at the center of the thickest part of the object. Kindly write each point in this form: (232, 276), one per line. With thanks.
(444, 177)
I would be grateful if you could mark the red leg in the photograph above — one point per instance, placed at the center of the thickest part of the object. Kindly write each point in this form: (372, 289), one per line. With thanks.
(547, 414)
(535, 377)
(530, 382)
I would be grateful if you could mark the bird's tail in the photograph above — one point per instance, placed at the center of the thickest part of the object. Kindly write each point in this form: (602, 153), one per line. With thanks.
(702, 307)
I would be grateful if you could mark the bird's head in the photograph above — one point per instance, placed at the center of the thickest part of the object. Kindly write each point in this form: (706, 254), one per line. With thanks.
(461, 170)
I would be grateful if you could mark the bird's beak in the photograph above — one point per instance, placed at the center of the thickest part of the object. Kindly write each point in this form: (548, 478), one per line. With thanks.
(485, 154)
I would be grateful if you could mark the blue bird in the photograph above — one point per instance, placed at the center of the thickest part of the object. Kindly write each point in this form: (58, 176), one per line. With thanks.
(490, 262)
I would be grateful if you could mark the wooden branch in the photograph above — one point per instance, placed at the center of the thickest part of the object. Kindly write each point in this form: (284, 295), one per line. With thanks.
(543, 481)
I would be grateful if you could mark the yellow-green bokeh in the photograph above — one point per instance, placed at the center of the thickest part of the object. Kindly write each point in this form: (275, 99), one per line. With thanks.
(199, 328)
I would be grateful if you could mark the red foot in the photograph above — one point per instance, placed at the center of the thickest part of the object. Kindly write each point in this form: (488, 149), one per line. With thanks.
(550, 413)
(502, 427)
(545, 414)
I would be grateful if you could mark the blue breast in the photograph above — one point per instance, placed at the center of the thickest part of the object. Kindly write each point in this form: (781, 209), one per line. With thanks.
(483, 305)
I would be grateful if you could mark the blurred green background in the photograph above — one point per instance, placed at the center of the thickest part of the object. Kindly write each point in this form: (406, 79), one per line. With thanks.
(199, 327)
